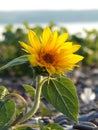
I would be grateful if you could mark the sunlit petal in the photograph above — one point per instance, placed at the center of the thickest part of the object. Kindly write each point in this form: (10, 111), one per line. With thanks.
(27, 48)
(75, 48)
(34, 41)
(46, 35)
(62, 38)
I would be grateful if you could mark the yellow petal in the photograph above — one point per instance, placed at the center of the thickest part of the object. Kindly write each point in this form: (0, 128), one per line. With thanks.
(34, 60)
(51, 44)
(50, 69)
(75, 48)
(66, 46)
(62, 38)
(69, 48)
(27, 48)
(54, 36)
(46, 35)
(33, 39)
(74, 58)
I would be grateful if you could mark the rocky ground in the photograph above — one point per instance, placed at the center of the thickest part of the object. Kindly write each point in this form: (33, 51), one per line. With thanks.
(86, 82)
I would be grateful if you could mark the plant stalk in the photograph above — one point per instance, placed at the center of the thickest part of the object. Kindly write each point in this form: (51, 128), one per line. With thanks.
(36, 102)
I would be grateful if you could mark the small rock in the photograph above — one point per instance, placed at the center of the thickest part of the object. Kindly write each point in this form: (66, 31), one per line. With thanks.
(85, 126)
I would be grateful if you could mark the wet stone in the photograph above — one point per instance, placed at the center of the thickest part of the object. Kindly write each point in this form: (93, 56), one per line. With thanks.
(85, 126)
(95, 121)
(46, 120)
(89, 116)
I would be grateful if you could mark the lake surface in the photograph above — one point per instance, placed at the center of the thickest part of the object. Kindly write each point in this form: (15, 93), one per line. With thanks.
(45, 16)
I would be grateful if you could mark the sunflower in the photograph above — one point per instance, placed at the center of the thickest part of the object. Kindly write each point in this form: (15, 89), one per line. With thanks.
(52, 52)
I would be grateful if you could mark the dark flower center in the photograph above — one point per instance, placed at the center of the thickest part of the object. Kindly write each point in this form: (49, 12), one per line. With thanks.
(48, 58)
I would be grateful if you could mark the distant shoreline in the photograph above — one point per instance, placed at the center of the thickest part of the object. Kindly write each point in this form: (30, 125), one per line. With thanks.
(45, 16)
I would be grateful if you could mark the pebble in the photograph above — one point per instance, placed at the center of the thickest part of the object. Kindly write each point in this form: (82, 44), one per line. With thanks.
(89, 116)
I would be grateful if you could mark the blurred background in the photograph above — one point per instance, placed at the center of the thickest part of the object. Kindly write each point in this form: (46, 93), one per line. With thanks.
(77, 17)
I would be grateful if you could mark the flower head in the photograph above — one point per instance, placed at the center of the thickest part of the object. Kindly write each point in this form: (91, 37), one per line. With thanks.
(52, 52)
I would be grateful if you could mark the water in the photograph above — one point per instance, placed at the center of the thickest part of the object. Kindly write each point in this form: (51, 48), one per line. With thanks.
(45, 16)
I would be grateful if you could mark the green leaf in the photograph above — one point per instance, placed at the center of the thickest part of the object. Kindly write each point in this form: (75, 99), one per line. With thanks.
(7, 112)
(5, 128)
(44, 110)
(40, 125)
(29, 89)
(16, 61)
(3, 92)
(61, 93)
(23, 128)
(50, 126)
(53, 127)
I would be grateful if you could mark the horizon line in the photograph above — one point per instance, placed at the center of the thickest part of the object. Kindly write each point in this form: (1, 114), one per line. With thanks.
(49, 10)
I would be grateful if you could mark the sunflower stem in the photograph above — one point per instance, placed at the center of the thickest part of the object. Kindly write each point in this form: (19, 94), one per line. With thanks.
(36, 101)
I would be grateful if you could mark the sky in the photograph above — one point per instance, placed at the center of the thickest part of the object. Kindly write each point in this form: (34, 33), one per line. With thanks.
(14, 5)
